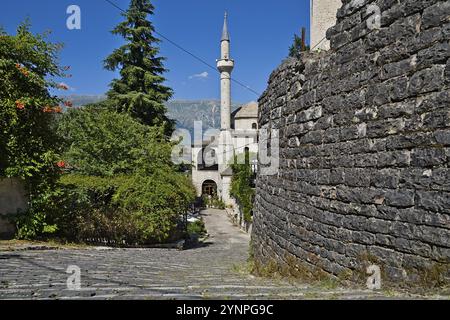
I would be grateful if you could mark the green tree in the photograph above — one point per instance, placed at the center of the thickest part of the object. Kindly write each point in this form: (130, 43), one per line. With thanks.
(105, 143)
(121, 183)
(296, 48)
(140, 91)
(29, 145)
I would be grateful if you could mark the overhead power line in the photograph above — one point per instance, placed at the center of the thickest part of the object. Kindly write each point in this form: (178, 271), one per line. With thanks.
(318, 44)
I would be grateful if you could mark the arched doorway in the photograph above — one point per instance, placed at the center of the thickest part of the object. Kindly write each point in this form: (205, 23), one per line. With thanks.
(209, 188)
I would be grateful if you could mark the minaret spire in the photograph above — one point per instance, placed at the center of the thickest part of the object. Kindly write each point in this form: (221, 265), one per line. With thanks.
(225, 66)
(225, 34)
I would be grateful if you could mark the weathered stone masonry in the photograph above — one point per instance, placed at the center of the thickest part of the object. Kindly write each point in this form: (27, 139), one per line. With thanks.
(365, 148)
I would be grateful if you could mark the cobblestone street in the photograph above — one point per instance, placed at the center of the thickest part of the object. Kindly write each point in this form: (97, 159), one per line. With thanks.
(208, 272)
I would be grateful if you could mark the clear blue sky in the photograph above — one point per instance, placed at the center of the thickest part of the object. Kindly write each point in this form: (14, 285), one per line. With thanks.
(261, 33)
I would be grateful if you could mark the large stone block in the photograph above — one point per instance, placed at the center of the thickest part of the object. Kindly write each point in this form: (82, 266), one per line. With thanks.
(437, 14)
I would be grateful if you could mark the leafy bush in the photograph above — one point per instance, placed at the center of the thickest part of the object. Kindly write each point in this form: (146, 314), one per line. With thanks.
(214, 202)
(122, 185)
(29, 146)
(241, 189)
(158, 200)
(197, 228)
(124, 209)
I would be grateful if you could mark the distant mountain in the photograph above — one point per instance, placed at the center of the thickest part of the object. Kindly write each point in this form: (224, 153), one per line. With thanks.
(82, 100)
(184, 112)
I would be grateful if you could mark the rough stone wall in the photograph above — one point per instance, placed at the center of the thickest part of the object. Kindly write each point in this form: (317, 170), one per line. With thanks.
(13, 199)
(365, 149)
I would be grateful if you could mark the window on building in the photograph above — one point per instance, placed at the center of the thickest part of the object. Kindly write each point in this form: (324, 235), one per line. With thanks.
(247, 155)
(254, 126)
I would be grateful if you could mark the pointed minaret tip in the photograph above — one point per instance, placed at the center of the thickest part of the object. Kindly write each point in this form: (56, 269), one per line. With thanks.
(225, 34)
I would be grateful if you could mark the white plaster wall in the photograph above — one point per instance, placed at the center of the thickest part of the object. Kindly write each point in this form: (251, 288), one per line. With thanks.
(225, 150)
(323, 17)
(246, 138)
(245, 124)
(242, 142)
(13, 199)
(226, 185)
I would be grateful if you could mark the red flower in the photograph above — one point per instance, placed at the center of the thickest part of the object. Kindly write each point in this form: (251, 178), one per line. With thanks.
(57, 109)
(20, 105)
(63, 86)
(23, 70)
(68, 104)
(61, 164)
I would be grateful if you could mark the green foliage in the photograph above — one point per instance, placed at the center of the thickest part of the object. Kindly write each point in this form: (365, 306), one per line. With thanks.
(85, 211)
(36, 222)
(241, 188)
(157, 200)
(214, 202)
(27, 137)
(296, 48)
(140, 91)
(123, 186)
(197, 228)
(123, 210)
(28, 144)
(105, 143)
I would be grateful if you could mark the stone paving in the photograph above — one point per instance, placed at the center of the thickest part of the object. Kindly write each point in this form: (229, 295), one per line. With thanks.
(207, 272)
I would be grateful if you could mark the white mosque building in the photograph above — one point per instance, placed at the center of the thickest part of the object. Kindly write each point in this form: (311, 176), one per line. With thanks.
(211, 158)
(211, 173)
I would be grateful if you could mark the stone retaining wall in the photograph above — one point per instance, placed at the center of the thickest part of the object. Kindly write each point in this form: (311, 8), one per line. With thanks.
(365, 149)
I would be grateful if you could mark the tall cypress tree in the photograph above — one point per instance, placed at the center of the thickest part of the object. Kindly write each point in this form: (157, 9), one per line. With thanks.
(140, 90)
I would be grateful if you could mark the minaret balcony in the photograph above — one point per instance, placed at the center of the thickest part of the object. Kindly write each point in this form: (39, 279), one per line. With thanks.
(225, 65)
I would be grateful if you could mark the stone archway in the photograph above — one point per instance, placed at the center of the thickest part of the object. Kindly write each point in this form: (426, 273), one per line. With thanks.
(209, 188)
